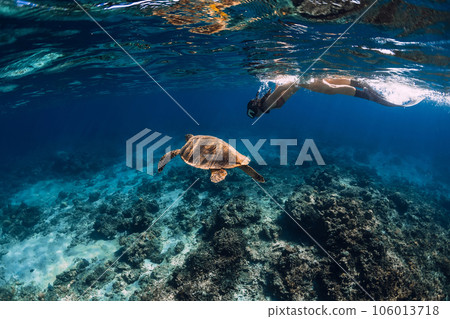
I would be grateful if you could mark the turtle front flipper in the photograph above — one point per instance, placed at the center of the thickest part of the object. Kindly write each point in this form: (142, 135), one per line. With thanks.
(218, 175)
(166, 159)
(252, 173)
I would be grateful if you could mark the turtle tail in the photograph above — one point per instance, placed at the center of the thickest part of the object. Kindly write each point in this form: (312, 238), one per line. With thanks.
(166, 159)
(252, 173)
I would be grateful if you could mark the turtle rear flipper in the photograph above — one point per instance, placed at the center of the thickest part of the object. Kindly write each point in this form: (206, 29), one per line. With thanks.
(252, 173)
(218, 175)
(166, 159)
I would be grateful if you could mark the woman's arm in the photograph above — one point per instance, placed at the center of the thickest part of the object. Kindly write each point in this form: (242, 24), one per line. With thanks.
(279, 96)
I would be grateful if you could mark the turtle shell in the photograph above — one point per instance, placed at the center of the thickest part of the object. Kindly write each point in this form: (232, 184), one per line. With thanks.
(209, 152)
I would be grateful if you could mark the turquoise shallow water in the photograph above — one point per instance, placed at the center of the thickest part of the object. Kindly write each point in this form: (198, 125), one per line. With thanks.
(70, 207)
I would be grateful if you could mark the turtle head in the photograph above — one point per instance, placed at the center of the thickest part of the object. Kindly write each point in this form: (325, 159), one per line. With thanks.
(188, 137)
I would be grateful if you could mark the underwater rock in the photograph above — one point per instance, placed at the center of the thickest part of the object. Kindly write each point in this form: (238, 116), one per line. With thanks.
(140, 247)
(445, 202)
(364, 177)
(269, 232)
(105, 227)
(82, 264)
(179, 247)
(401, 204)
(237, 212)
(148, 186)
(301, 208)
(407, 17)
(74, 280)
(62, 195)
(208, 275)
(328, 10)
(211, 271)
(131, 276)
(220, 258)
(186, 221)
(398, 14)
(364, 238)
(444, 263)
(17, 291)
(139, 217)
(65, 277)
(69, 275)
(294, 275)
(93, 197)
(321, 179)
(18, 221)
(7, 293)
(98, 275)
(229, 243)
(110, 220)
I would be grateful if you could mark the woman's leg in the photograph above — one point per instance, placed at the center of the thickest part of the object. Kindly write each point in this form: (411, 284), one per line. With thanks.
(339, 81)
(344, 89)
(370, 94)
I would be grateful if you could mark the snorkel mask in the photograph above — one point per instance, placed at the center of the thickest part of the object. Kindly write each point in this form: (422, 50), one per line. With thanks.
(255, 106)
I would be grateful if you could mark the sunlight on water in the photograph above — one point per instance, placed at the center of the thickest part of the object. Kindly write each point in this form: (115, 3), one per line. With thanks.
(400, 90)
(396, 89)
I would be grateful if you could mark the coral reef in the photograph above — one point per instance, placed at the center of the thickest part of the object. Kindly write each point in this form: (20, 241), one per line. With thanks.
(110, 220)
(370, 238)
(18, 221)
(219, 244)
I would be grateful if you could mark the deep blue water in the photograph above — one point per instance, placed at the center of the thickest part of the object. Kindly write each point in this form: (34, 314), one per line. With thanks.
(66, 83)
(104, 124)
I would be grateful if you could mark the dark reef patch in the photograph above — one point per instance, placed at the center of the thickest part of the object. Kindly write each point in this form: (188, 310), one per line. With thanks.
(239, 211)
(370, 239)
(324, 10)
(212, 271)
(295, 275)
(18, 221)
(401, 204)
(111, 220)
(137, 247)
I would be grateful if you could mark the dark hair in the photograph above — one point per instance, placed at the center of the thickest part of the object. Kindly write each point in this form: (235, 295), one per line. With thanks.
(254, 107)
(255, 103)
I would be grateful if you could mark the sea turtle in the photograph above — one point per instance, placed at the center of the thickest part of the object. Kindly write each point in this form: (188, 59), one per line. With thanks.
(209, 152)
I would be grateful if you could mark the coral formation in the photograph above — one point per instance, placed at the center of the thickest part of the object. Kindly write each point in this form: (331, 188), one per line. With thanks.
(18, 221)
(110, 220)
(391, 239)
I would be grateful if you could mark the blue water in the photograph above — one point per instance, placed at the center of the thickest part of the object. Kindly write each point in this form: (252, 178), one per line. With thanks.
(104, 124)
(68, 89)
